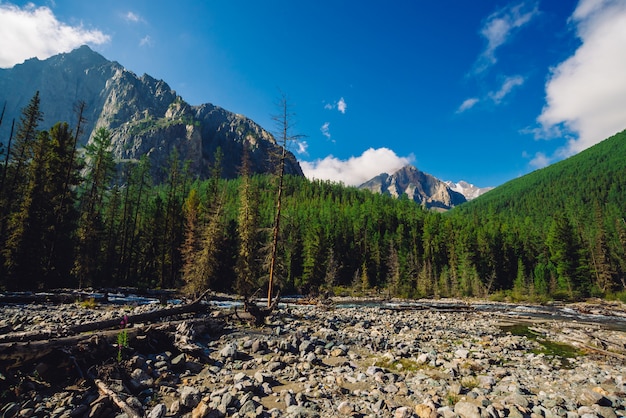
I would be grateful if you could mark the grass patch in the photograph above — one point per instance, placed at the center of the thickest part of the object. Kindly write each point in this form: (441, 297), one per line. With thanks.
(548, 348)
(403, 364)
(88, 303)
(621, 296)
(469, 382)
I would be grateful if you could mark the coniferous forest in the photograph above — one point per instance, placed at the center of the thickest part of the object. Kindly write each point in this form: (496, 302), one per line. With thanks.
(76, 218)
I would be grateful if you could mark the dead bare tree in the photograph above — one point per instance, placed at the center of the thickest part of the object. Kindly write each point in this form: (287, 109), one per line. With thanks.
(284, 127)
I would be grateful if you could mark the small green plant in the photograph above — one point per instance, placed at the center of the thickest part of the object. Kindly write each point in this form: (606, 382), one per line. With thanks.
(89, 303)
(122, 338)
(452, 399)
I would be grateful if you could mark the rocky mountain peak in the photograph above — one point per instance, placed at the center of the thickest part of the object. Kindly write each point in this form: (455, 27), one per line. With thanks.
(420, 187)
(145, 116)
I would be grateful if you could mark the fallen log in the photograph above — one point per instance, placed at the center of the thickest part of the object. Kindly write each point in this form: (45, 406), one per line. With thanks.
(17, 353)
(105, 390)
(194, 307)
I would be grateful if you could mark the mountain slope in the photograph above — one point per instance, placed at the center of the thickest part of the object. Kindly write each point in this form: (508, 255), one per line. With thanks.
(417, 185)
(596, 176)
(144, 115)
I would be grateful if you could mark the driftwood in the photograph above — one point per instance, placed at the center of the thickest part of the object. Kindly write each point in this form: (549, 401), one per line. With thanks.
(16, 354)
(256, 314)
(21, 348)
(194, 307)
(105, 390)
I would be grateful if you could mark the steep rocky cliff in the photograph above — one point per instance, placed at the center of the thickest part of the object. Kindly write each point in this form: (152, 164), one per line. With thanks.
(418, 186)
(144, 115)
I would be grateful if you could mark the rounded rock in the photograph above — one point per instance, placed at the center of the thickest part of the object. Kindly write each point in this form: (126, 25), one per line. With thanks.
(345, 408)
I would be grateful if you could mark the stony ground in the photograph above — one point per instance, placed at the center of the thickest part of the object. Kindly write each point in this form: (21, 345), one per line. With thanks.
(312, 361)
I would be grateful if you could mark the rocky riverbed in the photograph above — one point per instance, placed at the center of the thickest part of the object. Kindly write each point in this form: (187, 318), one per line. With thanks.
(312, 361)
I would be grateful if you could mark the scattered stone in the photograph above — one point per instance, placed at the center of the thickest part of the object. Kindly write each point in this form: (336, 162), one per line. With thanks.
(179, 361)
(158, 411)
(344, 362)
(461, 353)
(249, 407)
(591, 397)
(467, 410)
(189, 396)
(403, 412)
(423, 411)
(517, 400)
(345, 408)
(229, 351)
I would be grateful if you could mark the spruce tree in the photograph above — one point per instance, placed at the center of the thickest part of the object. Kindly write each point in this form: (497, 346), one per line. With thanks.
(24, 250)
(100, 166)
(564, 252)
(42, 223)
(22, 151)
(248, 218)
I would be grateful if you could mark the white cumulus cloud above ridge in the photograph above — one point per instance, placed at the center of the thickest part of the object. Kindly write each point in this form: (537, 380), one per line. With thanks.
(35, 32)
(355, 170)
(585, 93)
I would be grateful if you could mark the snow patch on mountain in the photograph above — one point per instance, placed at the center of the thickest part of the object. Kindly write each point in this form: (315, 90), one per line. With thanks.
(466, 189)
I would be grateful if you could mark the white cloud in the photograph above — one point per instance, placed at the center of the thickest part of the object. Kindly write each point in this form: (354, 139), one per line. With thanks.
(355, 170)
(132, 17)
(35, 32)
(499, 27)
(540, 160)
(342, 106)
(302, 147)
(325, 129)
(146, 41)
(585, 93)
(508, 85)
(467, 104)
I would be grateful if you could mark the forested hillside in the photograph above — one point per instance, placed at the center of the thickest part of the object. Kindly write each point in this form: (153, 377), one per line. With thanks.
(595, 176)
(571, 217)
(67, 220)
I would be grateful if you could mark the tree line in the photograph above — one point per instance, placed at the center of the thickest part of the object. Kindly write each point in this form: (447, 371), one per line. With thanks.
(74, 218)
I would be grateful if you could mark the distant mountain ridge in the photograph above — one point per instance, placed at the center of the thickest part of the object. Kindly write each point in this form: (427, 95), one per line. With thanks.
(468, 190)
(420, 187)
(144, 115)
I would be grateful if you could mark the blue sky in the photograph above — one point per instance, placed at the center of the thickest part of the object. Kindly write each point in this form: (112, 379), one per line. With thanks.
(482, 91)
